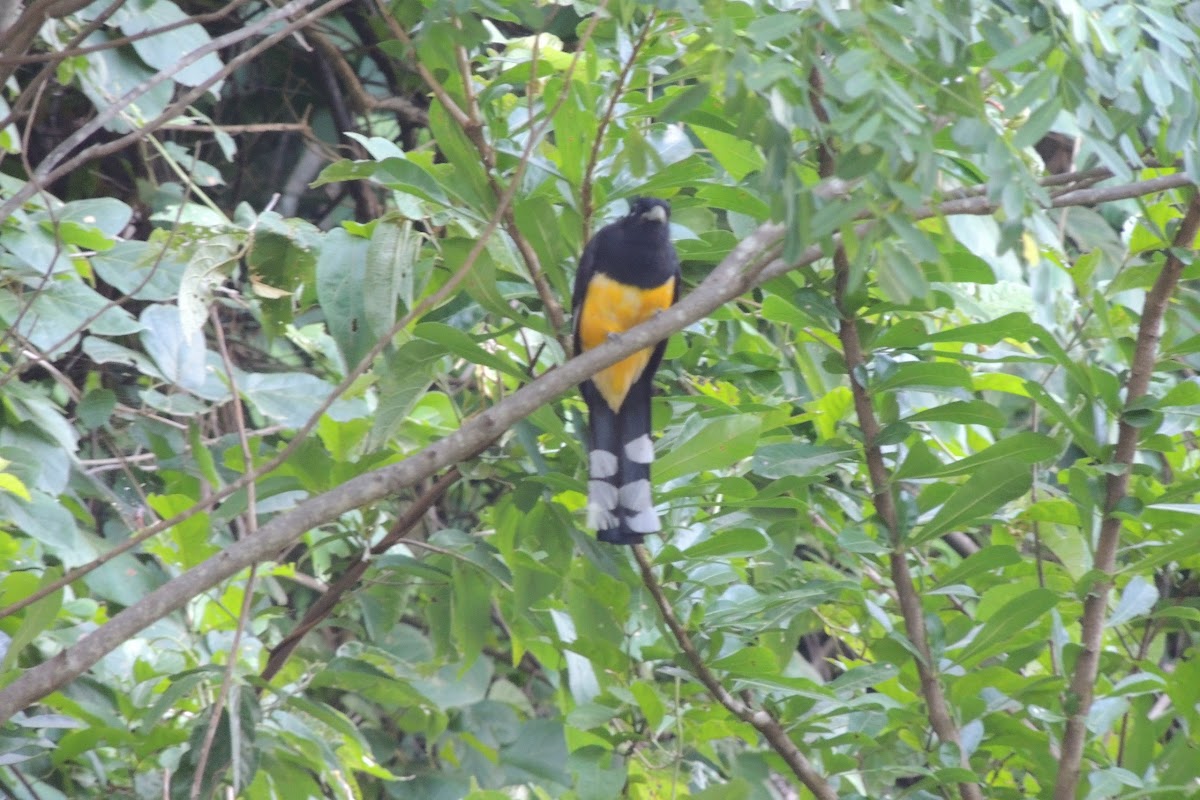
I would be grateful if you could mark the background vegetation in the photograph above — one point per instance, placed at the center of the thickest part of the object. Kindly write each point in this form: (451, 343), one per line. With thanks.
(291, 483)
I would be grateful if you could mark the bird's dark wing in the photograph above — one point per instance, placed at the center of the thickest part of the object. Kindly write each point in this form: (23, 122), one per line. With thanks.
(587, 268)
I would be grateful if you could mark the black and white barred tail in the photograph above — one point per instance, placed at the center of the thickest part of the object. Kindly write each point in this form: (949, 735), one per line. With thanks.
(620, 502)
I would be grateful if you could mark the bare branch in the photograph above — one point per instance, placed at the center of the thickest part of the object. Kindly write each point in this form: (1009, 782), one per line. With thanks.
(21, 34)
(50, 169)
(118, 41)
(34, 87)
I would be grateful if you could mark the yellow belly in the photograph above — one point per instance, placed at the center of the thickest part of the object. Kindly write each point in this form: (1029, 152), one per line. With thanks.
(610, 307)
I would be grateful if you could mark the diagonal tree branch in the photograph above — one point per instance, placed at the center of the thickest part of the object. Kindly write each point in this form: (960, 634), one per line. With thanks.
(325, 604)
(1095, 605)
(831, 189)
(726, 282)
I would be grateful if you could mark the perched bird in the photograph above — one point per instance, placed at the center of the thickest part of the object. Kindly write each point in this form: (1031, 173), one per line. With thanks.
(628, 273)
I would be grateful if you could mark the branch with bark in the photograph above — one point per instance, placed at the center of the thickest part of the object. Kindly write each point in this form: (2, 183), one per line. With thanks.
(1095, 606)
(940, 717)
(730, 279)
(762, 720)
(349, 579)
(470, 121)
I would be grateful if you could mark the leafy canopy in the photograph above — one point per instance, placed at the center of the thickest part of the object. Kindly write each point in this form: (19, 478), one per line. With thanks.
(929, 474)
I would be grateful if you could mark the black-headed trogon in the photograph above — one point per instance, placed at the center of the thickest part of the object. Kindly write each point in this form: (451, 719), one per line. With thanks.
(629, 271)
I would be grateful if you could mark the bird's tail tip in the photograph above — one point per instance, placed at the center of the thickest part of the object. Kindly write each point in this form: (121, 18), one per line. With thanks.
(620, 535)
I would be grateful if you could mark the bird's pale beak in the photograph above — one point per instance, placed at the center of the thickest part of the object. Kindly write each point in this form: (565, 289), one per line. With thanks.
(656, 214)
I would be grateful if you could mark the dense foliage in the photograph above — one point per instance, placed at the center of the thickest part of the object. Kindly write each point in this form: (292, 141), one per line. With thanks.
(292, 485)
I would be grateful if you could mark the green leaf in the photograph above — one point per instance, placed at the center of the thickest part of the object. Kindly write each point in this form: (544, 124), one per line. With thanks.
(734, 198)
(341, 269)
(738, 156)
(403, 378)
(142, 270)
(391, 263)
(114, 71)
(37, 617)
(44, 519)
(1018, 450)
(292, 397)
(982, 495)
(1016, 325)
(719, 444)
(461, 344)
(923, 375)
(107, 215)
(1137, 599)
(1081, 435)
(164, 50)
(575, 126)
(1030, 50)
(973, 412)
(283, 253)
(180, 359)
(995, 557)
(1038, 124)
(786, 459)
(649, 703)
(211, 264)
(13, 485)
(471, 616)
(205, 464)
(469, 176)
(681, 102)
(405, 175)
(738, 543)
(1014, 617)
(59, 312)
(96, 408)
(191, 537)
(749, 661)
(1185, 393)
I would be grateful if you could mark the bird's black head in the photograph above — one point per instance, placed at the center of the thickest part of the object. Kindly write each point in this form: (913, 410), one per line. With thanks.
(650, 210)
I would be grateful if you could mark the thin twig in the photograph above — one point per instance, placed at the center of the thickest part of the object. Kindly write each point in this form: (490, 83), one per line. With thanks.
(762, 720)
(251, 518)
(233, 130)
(614, 96)
(50, 169)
